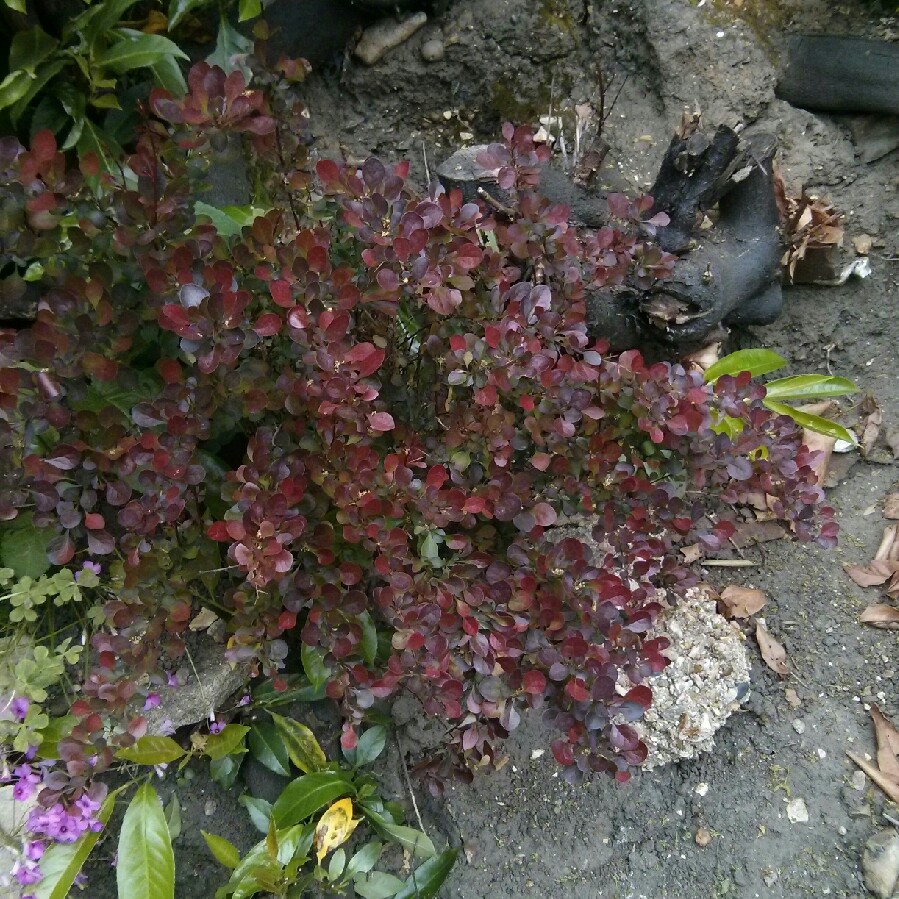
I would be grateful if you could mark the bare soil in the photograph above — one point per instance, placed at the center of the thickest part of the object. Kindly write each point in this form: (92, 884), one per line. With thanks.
(525, 832)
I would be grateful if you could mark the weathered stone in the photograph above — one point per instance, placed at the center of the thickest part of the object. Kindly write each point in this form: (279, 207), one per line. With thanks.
(379, 39)
(880, 863)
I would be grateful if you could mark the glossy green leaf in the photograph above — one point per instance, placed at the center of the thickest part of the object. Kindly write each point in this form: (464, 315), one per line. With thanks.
(756, 362)
(369, 645)
(314, 665)
(369, 746)
(302, 747)
(230, 741)
(17, 5)
(23, 547)
(167, 73)
(173, 817)
(52, 734)
(259, 810)
(230, 221)
(306, 795)
(812, 422)
(132, 52)
(809, 387)
(178, 9)
(94, 140)
(365, 859)
(256, 870)
(146, 863)
(298, 690)
(230, 48)
(225, 851)
(98, 26)
(267, 747)
(13, 87)
(377, 885)
(249, 9)
(224, 771)
(42, 78)
(425, 881)
(30, 48)
(62, 862)
(152, 751)
(414, 841)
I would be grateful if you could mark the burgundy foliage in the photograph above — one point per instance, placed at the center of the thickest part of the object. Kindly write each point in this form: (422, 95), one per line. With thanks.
(410, 383)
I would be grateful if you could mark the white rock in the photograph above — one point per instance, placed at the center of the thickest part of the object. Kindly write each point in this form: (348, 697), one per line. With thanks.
(880, 863)
(797, 812)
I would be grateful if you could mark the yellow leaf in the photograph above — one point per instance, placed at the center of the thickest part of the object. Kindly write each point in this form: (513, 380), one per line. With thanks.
(334, 828)
(157, 23)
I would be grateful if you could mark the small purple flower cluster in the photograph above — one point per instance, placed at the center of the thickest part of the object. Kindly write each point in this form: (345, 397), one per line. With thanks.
(60, 823)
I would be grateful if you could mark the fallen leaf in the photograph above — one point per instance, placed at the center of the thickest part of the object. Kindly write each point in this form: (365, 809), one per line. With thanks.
(885, 784)
(889, 545)
(741, 602)
(871, 425)
(761, 531)
(691, 553)
(862, 244)
(822, 444)
(773, 653)
(887, 744)
(203, 619)
(881, 615)
(891, 506)
(873, 574)
(334, 828)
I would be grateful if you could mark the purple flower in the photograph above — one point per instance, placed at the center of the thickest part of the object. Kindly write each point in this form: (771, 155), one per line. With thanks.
(87, 806)
(26, 783)
(166, 729)
(172, 680)
(216, 727)
(20, 707)
(34, 850)
(27, 873)
(152, 701)
(245, 699)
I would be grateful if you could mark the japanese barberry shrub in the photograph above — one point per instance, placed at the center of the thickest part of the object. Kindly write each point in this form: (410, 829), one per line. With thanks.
(350, 429)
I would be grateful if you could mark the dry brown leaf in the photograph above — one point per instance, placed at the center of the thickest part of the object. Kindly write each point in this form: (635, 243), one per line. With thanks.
(881, 615)
(760, 531)
(822, 444)
(891, 506)
(773, 653)
(741, 602)
(792, 698)
(889, 545)
(873, 574)
(691, 553)
(885, 784)
(870, 425)
(887, 744)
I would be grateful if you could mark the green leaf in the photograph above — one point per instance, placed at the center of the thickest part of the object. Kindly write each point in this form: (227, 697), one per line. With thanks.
(225, 851)
(95, 140)
(23, 547)
(229, 47)
(52, 734)
(167, 73)
(173, 817)
(267, 747)
(249, 9)
(224, 771)
(369, 646)
(178, 9)
(298, 688)
(137, 52)
(146, 865)
(756, 362)
(13, 87)
(410, 839)
(152, 751)
(302, 747)
(306, 795)
(61, 862)
(812, 422)
(809, 387)
(30, 48)
(369, 746)
(17, 5)
(230, 221)
(41, 78)
(377, 885)
(314, 665)
(259, 810)
(365, 859)
(228, 742)
(425, 881)
(97, 26)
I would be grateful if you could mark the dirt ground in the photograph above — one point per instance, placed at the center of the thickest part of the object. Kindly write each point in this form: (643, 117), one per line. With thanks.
(525, 832)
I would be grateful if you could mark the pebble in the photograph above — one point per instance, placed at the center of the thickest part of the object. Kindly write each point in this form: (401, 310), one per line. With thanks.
(703, 837)
(797, 812)
(880, 863)
(432, 50)
(858, 781)
(799, 726)
(210, 807)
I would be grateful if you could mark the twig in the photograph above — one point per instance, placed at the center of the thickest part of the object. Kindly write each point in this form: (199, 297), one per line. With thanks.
(424, 153)
(730, 563)
(408, 780)
(885, 784)
(485, 195)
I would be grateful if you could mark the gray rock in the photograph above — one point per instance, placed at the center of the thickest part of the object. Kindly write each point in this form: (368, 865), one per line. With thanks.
(206, 690)
(379, 39)
(432, 50)
(880, 863)
(874, 136)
